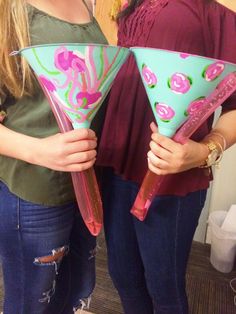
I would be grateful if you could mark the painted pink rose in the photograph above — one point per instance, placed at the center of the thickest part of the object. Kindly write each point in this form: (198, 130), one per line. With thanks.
(149, 77)
(47, 83)
(179, 83)
(67, 59)
(86, 100)
(213, 71)
(195, 105)
(164, 112)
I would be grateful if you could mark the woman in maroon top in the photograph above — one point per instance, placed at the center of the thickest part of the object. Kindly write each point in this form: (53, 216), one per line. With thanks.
(147, 260)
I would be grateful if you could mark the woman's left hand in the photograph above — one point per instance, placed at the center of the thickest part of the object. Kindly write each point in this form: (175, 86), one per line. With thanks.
(166, 156)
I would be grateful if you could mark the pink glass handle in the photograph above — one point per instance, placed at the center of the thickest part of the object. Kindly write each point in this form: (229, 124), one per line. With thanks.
(217, 97)
(84, 182)
(146, 194)
(89, 199)
(151, 181)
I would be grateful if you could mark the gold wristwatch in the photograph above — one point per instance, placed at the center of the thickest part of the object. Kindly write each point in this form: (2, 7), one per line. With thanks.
(214, 156)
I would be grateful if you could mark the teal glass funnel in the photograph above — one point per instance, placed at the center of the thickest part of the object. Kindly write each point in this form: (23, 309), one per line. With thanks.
(183, 91)
(178, 84)
(77, 76)
(76, 79)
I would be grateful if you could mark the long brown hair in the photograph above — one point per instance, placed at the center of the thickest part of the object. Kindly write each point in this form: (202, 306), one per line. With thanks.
(16, 78)
(132, 4)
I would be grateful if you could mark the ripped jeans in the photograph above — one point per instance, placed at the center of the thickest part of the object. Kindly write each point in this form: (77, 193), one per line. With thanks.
(47, 256)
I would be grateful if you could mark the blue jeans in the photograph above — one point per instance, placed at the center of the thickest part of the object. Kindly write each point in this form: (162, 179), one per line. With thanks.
(147, 260)
(47, 256)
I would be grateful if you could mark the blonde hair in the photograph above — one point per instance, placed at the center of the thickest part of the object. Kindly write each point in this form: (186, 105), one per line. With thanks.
(16, 78)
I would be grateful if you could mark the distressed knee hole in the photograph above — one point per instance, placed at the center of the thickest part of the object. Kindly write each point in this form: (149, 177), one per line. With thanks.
(84, 304)
(47, 295)
(56, 256)
(54, 259)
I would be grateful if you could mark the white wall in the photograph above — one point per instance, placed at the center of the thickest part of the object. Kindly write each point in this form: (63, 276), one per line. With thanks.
(221, 194)
(224, 184)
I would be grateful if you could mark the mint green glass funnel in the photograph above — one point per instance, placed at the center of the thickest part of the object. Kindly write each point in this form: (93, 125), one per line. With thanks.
(183, 90)
(177, 84)
(76, 78)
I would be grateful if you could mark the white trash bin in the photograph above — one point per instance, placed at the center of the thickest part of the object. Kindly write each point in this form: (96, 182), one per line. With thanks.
(223, 243)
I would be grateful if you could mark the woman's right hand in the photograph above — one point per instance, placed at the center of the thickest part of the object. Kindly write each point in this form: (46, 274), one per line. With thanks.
(168, 157)
(71, 151)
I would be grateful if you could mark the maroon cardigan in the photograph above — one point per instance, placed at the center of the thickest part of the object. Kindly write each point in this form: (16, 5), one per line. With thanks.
(192, 26)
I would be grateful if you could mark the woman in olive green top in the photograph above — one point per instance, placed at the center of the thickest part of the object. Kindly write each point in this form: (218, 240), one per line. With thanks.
(46, 252)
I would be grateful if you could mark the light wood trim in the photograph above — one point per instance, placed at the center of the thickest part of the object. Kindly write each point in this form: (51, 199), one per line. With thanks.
(109, 27)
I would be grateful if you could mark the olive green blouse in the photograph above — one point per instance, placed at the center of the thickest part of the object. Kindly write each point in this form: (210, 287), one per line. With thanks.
(33, 116)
